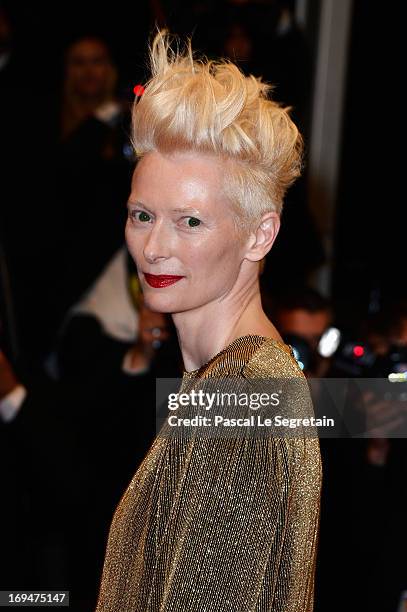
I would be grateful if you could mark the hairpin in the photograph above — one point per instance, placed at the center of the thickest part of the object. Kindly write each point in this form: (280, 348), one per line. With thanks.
(138, 91)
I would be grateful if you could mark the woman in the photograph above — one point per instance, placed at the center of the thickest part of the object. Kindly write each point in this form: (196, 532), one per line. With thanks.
(209, 523)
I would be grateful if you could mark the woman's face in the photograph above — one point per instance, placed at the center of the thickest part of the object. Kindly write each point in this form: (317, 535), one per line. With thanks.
(180, 224)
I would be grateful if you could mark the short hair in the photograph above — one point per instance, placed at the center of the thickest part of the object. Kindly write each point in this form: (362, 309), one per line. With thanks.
(210, 106)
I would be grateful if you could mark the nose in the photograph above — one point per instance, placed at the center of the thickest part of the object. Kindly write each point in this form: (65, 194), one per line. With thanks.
(156, 245)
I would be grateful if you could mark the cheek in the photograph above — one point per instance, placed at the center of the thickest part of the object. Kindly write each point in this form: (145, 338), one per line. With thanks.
(214, 259)
(133, 244)
(127, 235)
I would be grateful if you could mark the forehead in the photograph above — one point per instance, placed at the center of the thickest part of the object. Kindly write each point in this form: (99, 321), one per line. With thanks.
(192, 176)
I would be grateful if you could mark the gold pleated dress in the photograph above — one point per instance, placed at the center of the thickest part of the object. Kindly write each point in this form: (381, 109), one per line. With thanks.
(216, 525)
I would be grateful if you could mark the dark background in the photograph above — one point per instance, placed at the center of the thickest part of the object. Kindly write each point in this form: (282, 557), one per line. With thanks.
(369, 224)
(368, 261)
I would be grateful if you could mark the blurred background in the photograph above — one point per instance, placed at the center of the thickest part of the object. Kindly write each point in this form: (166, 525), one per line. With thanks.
(79, 351)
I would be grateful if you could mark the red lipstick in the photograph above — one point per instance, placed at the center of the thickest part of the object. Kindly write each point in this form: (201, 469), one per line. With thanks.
(161, 280)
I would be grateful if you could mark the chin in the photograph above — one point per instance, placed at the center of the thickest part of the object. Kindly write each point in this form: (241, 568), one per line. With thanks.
(159, 303)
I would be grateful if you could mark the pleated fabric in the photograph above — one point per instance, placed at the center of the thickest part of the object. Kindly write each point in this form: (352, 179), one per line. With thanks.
(211, 524)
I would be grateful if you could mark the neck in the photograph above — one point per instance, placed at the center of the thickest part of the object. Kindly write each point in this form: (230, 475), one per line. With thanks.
(205, 331)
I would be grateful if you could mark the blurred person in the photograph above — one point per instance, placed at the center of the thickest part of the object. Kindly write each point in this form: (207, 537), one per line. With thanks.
(78, 164)
(379, 471)
(14, 533)
(301, 312)
(99, 328)
(364, 496)
(54, 439)
(93, 165)
(304, 313)
(89, 87)
(110, 350)
(38, 469)
(385, 333)
(264, 38)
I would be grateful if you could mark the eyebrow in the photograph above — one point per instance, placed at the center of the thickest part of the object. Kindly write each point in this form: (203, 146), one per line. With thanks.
(178, 209)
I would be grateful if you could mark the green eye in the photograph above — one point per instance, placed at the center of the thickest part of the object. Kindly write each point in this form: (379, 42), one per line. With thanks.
(144, 216)
(193, 222)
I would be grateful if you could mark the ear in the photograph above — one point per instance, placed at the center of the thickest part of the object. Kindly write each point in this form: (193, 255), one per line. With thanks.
(261, 239)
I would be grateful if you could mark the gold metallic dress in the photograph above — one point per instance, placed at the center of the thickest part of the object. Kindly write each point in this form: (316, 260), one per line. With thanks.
(216, 525)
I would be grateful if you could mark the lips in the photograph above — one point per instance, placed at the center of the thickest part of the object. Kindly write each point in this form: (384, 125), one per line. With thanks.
(161, 280)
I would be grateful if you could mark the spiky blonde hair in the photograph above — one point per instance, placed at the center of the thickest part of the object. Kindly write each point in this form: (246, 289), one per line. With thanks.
(210, 106)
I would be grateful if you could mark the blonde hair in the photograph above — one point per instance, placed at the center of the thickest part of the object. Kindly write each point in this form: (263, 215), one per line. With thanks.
(210, 106)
